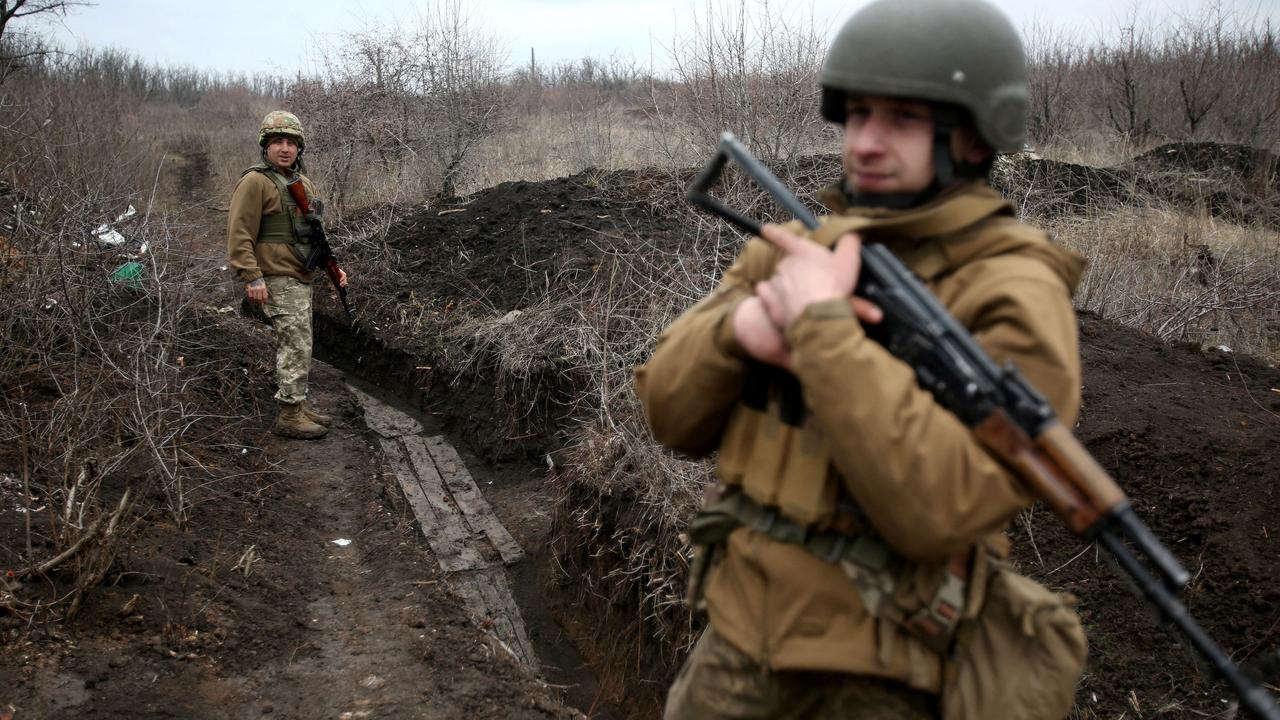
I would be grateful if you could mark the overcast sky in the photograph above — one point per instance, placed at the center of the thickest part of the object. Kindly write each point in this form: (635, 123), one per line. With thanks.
(253, 36)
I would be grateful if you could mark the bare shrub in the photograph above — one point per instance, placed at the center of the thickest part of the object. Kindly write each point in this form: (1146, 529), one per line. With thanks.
(1208, 75)
(621, 500)
(104, 392)
(110, 378)
(747, 68)
(1053, 58)
(1181, 277)
(399, 112)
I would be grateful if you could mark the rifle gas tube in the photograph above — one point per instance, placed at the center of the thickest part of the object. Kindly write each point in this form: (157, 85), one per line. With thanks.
(1008, 416)
(321, 254)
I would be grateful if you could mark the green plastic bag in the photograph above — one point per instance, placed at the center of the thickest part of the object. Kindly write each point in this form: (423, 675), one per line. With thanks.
(128, 275)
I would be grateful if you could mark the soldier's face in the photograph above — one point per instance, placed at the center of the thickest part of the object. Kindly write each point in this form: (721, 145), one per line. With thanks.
(888, 145)
(282, 151)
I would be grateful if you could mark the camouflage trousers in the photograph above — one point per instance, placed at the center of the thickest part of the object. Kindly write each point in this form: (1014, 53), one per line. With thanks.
(289, 307)
(719, 682)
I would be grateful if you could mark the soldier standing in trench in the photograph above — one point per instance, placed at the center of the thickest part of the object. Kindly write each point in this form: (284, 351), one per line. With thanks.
(826, 443)
(267, 247)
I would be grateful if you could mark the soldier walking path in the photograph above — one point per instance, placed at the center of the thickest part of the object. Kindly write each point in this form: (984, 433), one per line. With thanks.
(458, 523)
(310, 593)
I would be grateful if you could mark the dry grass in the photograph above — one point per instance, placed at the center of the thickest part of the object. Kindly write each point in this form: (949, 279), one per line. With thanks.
(556, 144)
(1183, 277)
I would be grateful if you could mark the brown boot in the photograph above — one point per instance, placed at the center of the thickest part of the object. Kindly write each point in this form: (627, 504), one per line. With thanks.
(293, 423)
(316, 416)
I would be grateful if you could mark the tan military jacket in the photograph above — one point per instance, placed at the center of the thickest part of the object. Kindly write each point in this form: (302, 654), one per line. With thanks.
(921, 480)
(256, 195)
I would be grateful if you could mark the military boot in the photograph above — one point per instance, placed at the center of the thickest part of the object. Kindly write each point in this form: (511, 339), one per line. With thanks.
(293, 423)
(316, 416)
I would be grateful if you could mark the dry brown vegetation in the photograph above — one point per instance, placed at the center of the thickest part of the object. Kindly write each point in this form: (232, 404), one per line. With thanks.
(94, 376)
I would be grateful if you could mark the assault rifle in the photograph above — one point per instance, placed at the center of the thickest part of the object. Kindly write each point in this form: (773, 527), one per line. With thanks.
(1008, 416)
(321, 254)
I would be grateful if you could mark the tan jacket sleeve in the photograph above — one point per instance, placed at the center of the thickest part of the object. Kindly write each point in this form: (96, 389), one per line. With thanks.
(248, 202)
(694, 377)
(924, 482)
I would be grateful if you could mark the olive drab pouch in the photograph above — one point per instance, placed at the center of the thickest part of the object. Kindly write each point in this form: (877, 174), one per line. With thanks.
(287, 227)
(1019, 658)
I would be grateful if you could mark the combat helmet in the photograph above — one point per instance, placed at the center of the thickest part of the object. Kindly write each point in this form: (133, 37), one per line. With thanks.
(962, 55)
(280, 122)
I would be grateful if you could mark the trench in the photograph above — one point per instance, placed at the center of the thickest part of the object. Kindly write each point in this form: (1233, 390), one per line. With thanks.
(510, 482)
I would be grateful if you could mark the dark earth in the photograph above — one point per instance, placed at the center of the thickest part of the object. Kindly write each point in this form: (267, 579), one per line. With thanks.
(367, 630)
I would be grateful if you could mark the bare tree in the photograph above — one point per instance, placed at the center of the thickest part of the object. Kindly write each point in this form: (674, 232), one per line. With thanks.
(1199, 48)
(409, 103)
(1054, 59)
(745, 68)
(1127, 77)
(16, 52)
(459, 79)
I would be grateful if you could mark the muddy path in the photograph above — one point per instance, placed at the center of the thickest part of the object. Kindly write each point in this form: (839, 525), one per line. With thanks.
(303, 593)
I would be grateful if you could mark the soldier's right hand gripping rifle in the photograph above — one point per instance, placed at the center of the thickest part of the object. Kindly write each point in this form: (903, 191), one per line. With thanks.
(321, 255)
(1013, 421)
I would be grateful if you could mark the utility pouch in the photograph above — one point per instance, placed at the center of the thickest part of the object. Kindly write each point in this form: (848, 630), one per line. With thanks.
(1019, 657)
(707, 533)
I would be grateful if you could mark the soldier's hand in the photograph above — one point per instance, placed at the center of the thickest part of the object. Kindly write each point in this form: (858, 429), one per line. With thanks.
(810, 273)
(257, 291)
(758, 335)
(342, 277)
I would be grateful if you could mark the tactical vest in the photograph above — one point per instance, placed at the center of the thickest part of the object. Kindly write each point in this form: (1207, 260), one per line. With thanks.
(776, 469)
(792, 471)
(287, 227)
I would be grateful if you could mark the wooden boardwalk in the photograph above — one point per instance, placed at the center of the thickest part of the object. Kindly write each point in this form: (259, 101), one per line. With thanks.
(468, 540)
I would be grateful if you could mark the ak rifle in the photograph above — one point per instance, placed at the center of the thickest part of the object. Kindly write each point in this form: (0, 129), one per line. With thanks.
(321, 254)
(1007, 415)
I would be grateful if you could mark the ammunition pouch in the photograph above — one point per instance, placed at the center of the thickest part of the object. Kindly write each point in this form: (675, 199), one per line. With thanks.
(288, 227)
(1018, 657)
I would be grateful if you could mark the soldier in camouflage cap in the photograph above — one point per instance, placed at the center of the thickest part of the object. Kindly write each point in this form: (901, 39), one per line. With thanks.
(266, 243)
(851, 507)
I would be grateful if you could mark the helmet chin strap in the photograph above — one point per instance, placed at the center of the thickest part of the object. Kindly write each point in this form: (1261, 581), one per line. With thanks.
(945, 121)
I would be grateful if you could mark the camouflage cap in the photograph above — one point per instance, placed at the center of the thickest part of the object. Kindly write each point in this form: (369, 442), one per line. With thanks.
(280, 122)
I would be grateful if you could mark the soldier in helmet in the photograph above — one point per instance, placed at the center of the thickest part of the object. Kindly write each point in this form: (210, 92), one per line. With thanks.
(267, 246)
(850, 506)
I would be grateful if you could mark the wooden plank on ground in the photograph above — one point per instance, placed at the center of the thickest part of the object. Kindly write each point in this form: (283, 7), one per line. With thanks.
(384, 419)
(508, 623)
(488, 599)
(473, 505)
(443, 526)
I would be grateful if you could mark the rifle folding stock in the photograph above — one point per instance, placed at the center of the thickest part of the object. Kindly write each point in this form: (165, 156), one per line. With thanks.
(321, 254)
(1008, 416)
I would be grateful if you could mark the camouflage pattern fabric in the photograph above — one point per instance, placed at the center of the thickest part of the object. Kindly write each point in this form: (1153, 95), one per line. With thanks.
(280, 122)
(718, 682)
(289, 307)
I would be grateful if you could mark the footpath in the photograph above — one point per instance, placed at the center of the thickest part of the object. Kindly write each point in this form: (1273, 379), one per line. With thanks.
(310, 594)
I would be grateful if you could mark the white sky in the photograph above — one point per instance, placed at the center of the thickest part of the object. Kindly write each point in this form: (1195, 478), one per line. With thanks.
(254, 36)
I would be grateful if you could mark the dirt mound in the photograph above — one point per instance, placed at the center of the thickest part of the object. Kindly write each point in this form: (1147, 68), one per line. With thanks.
(1190, 435)
(1237, 183)
(504, 246)
(1225, 161)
